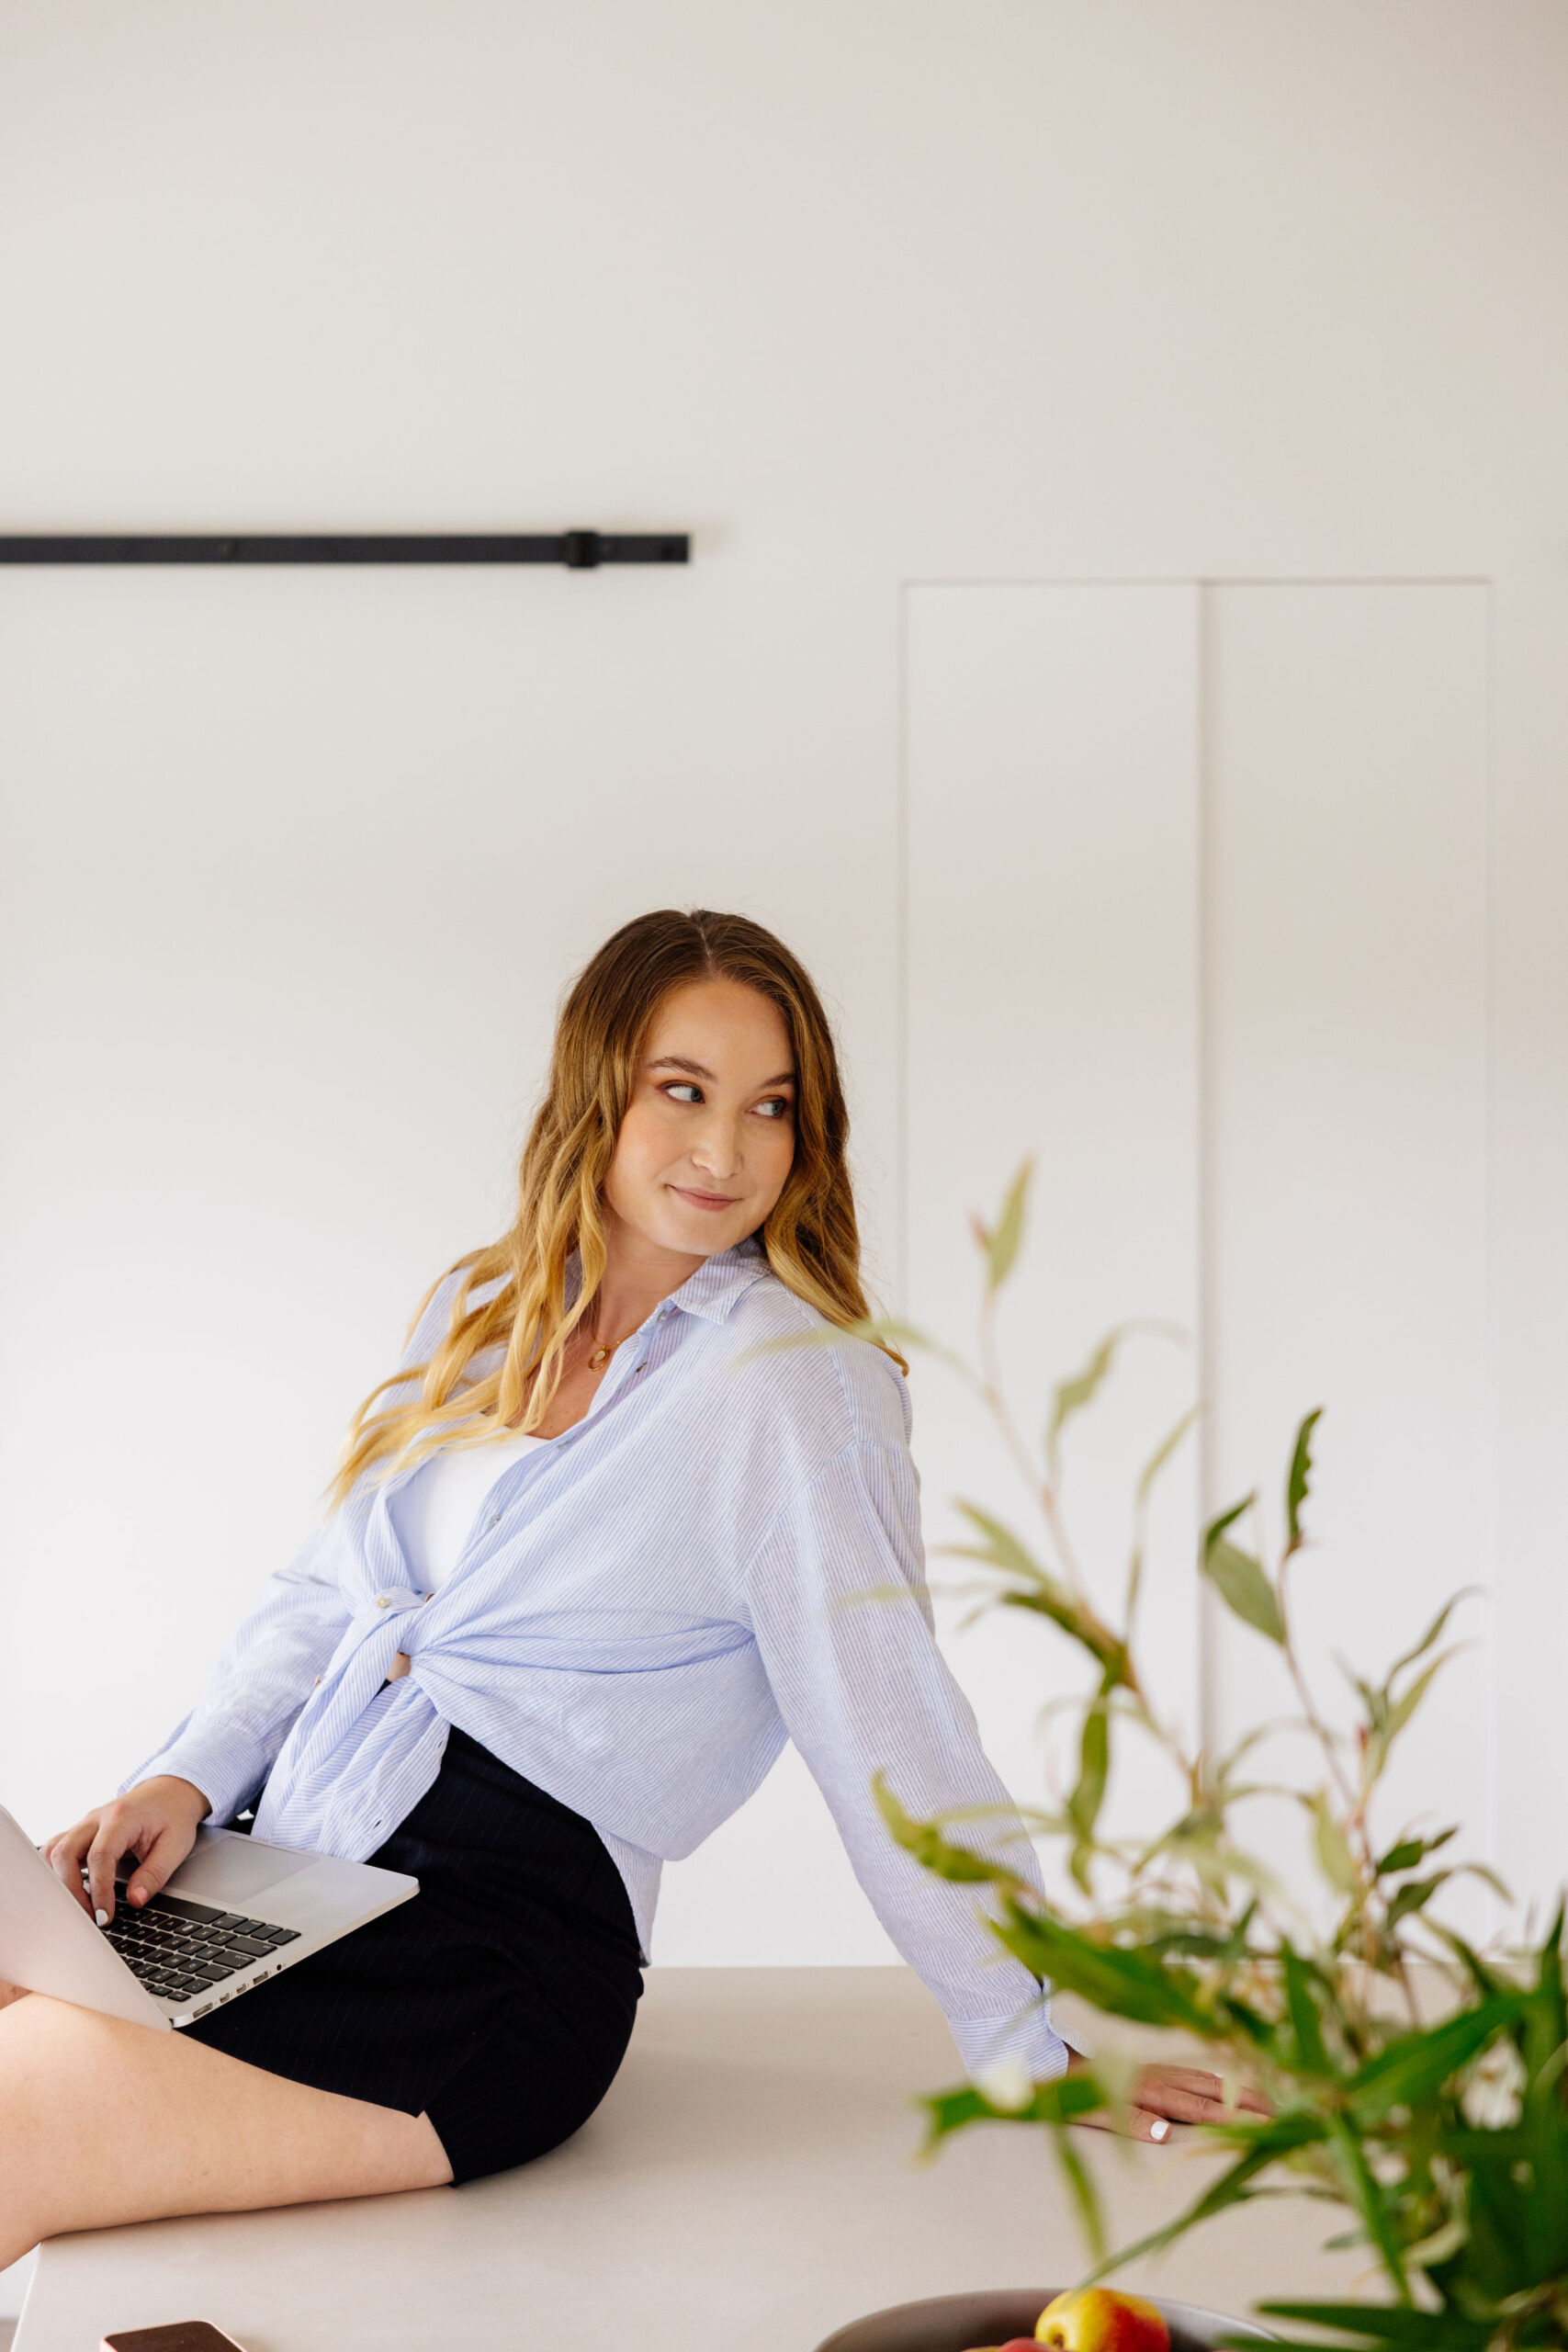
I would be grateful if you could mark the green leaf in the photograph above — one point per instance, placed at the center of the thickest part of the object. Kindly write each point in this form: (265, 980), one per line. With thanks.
(1367, 2196)
(936, 1853)
(1088, 1795)
(1081, 2188)
(1391, 2324)
(877, 1328)
(1411, 1850)
(1000, 1549)
(1415, 1894)
(1296, 1484)
(1486, 1979)
(1405, 1706)
(1146, 1478)
(1240, 1580)
(1002, 1240)
(1065, 2101)
(1124, 1983)
(1434, 1632)
(1311, 2050)
(1332, 1846)
(1004, 1550)
(1164, 1451)
(1055, 2105)
(1100, 1644)
(1414, 2066)
(1072, 1396)
(1265, 2144)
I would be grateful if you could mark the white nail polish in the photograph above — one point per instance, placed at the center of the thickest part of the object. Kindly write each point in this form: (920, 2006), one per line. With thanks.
(102, 1917)
(1159, 2128)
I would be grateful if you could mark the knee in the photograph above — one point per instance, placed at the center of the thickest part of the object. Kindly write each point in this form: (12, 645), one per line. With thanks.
(37, 2035)
(20, 2112)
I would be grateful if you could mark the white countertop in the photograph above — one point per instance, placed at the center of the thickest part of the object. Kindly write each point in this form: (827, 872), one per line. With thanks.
(747, 2185)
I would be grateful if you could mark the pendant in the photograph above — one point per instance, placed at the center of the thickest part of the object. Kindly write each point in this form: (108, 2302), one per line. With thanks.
(600, 1356)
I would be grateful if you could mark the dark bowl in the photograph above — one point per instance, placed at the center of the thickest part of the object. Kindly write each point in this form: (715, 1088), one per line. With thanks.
(955, 2323)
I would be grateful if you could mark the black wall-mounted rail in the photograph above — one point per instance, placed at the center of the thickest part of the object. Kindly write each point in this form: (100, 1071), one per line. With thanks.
(578, 550)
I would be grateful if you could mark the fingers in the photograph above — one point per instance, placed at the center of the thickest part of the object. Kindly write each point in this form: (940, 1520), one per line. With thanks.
(154, 1825)
(1192, 2095)
(1130, 2123)
(1179, 2105)
(65, 1854)
(159, 1863)
(96, 1845)
(1197, 2079)
(112, 1839)
(1167, 2096)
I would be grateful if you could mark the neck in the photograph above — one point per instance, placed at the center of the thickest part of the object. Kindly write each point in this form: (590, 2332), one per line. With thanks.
(638, 1274)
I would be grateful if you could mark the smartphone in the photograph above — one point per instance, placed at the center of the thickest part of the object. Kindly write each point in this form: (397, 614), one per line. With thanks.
(181, 2335)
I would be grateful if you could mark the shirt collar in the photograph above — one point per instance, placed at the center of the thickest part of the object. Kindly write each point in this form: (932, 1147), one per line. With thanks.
(719, 1282)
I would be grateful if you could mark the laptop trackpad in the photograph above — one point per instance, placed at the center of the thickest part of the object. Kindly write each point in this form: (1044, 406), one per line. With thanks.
(230, 1872)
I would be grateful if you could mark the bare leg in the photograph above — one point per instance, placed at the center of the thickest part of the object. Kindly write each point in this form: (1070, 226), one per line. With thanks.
(106, 2123)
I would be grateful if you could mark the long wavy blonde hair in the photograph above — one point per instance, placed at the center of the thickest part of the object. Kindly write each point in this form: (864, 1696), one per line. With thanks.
(811, 1236)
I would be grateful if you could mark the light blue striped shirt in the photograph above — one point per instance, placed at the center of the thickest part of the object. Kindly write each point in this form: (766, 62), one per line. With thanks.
(646, 1609)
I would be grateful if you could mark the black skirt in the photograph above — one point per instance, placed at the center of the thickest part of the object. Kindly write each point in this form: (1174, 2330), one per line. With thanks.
(498, 2001)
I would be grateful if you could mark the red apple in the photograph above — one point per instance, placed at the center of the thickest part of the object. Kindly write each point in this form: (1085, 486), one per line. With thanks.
(1096, 2319)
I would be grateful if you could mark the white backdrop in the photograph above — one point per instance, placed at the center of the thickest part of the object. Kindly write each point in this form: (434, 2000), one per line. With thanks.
(294, 866)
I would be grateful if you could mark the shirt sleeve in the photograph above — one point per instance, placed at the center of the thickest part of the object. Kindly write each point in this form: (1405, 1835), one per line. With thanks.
(842, 1620)
(230, 1741)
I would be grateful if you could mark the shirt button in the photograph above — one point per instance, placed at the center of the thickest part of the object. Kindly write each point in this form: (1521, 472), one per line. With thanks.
(317, 1684)
(494, 1519)
(383, 1600)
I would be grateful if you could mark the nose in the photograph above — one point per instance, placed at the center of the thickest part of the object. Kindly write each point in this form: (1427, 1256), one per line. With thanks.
(716, 1150)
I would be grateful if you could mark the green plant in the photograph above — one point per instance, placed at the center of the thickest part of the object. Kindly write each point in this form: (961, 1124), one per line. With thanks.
(1441, 2128)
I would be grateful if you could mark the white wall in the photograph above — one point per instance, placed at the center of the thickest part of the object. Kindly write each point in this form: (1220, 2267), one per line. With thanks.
(293, 865)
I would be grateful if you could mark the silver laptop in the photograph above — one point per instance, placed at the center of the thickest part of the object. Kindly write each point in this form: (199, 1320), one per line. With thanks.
(234, 1914)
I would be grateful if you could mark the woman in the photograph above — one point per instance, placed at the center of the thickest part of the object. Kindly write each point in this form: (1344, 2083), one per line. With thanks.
(598, 1547)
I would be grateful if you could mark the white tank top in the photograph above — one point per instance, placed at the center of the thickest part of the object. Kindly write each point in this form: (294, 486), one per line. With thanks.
(434, 1513)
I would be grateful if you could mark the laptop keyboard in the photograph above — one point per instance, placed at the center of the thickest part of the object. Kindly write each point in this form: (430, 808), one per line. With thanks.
(184, 1952)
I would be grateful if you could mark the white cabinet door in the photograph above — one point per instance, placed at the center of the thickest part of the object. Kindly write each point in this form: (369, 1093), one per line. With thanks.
(1052, 961)
(1346, 1203)
(1197, 915)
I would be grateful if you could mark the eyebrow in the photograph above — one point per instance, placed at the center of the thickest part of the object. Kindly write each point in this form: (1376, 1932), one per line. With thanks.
(695, 1069)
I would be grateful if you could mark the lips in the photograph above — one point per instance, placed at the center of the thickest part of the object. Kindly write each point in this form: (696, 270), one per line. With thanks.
(714, 1200)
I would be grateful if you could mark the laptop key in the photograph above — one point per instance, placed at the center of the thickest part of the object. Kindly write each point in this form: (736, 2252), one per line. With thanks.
(180, 1906)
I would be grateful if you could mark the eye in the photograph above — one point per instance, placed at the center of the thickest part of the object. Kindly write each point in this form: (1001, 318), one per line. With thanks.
(777, 1106)
(682, 1090)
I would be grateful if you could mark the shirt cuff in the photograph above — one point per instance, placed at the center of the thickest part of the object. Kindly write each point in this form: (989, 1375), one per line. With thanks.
(1025, 2047)
(222, 1759)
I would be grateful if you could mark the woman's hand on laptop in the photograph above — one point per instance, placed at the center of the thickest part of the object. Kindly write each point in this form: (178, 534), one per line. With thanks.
(156, 1821)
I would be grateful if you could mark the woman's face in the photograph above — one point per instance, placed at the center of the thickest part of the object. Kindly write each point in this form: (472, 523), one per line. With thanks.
(708, 1136)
